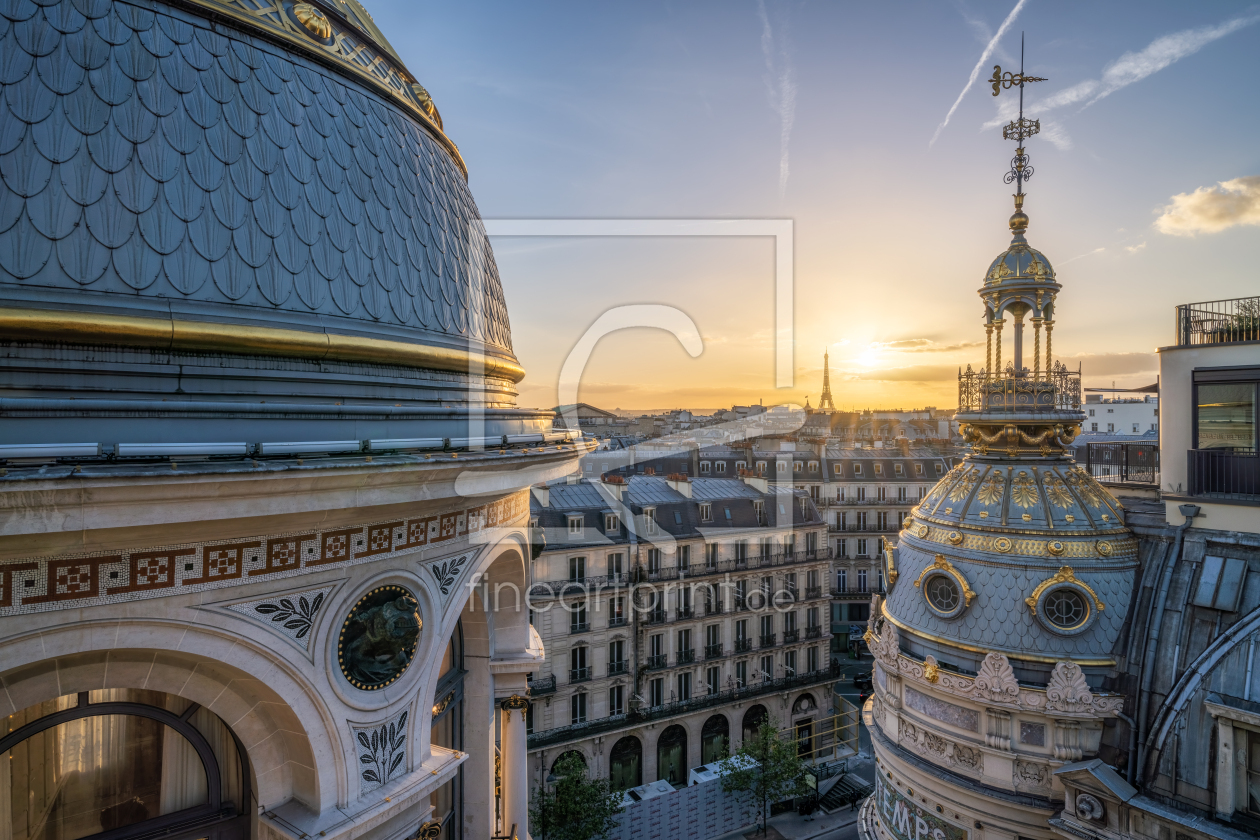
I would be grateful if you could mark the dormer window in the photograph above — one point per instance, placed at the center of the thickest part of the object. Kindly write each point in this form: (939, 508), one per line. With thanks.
(704, 468)
(719, 466)
(899, 469)
(813, 466)
(918, 469)
(797, 466)
(782, 465)
(837, 469)
(741, 465)
(706, 512)
(649, 520)
(939, 469)
(857, 469)
(612, 523)
(879, 469)
(761, 467)
(575, 526)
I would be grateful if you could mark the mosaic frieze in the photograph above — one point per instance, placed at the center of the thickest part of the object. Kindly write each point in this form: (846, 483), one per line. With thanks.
(77, 581)
(382, 752)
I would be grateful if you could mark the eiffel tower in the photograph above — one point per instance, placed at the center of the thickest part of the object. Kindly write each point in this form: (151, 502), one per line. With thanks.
(824, 402)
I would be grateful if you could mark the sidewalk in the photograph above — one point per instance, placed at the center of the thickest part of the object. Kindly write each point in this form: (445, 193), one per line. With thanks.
(792, 826)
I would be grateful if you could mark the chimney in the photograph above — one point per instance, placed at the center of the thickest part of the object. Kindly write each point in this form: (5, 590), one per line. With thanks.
(614, 485)
(680, 483)
(542, 493)
(756, 481)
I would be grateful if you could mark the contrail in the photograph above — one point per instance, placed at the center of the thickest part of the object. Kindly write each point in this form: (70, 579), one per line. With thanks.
(975, 71)
(782, 88)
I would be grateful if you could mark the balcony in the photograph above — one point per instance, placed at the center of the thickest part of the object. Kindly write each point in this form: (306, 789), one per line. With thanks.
(854, 593)
(683, 613)
(1232, 321)
(712, 609)
(791, 636)
(767, 639)
(540, 590)
(579, 627)
(1055, 390)
(578, 675)
(743, 645)
(686, 657)
(813, 632)
(542, 685)
(621, 666)
(741, 603)
(636, 717)
(1123, 463)
(1224, 474)
(655, 663)
(654, 617)
(713, 651)
(616, 621)
(813, 592)
(789, 593)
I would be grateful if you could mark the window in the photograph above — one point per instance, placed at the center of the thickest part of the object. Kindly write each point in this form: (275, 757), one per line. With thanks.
(1111, 427)
(837, 469)
(781, 466)
(767, 668)
(728, 513)
(616, 700)
(857, 469)
(654, 560)
(1091, 412)
(684, 686)
(761, 466)
(939, 469)
(1093, 427)
(741, 550)
(789, 663)
(797, 466)
(617, 656)
(899, 469)
(656, 692)
(759, 508)
(684, 557)
(711, 554)
(1225, 416)
(789, 619)
(918, 469)
(577, 619)
(741, 629)
(741, 674)
(616, 565)
(612, 523)
(577, 568)
(813, 659)
(842, 580)
(1135, 428)
(882, 494)
(575, 526)
(657, 644)
(720, 467)
(677, 517)
(879, 469)
(901, 494)
(813, 466)
(1220, 583)
(706, 512)
(578, 669)
(842, 547)
(714, 680)
(767, 630)
(704, 468)
(649, 520)
(577, 708)
(860, 518)
(861, 580)
(811, 618)
(741, 465)
(1111, 411)
(861, 494)
(616, 611)
(881, 520)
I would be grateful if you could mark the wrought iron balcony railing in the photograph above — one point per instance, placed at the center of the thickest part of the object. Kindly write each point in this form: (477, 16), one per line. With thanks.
(814, 632)
(577, 675)
(542, 685)
(1218, 322)
(1054, 390)
(656, 662)
(686, 657)
(620, 666)
(1127, 463)
(1224, 474)
(579, 626)
(813, 592)
(743, 645)
(713, 651)
(713, 609)
(790, 636)
(767, 639)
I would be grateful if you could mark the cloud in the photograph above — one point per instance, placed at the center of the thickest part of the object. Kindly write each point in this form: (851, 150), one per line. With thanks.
(781, 86)
(912, 373)
(924, 345)
(1133, 249)
(1213, 209)
(1097, 250)
(1127, 69)
(1112, 364)
(975, 71)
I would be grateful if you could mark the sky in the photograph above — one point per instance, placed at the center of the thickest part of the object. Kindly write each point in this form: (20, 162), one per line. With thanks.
(870, 127)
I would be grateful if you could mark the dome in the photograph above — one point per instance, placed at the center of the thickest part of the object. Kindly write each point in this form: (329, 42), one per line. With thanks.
(207, 186)
(1019, 264)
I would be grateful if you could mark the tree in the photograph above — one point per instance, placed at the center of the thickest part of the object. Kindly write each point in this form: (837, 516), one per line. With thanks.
(767, 767)
(578, 808)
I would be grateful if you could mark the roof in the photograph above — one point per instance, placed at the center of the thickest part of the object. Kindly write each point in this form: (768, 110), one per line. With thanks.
(583, 410)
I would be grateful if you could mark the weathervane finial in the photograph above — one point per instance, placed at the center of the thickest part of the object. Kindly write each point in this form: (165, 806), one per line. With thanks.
(1018, 130)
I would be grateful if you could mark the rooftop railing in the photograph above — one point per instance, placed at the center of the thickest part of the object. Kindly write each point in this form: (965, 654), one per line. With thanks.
(1026, 393)
(1124, 463)
(1218, 322)
(1224, 474)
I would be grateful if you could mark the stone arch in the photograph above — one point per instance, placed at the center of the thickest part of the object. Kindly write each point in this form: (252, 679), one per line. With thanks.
(625, 763)
(671, 755)
(264, 703)
(756, 715)
(566, 754)
(715, 738)
(804, 704)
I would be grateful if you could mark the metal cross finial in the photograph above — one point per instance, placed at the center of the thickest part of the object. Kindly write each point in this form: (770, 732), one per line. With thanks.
(1018, 130)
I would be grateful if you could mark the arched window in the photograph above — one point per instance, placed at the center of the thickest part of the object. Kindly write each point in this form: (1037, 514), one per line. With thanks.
(753, 718)
(671, 756)
(128, 762)
(565, 755)
(625, 764)
(713, 738)
(448, 731)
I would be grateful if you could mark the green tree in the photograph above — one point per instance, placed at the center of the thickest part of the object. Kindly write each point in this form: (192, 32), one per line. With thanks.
(578, 808)
(767, 767)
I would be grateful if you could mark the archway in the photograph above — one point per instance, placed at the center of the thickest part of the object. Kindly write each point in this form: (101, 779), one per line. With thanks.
(565, 755)
(753, 718)
(671, 756)
(714, 738)
(625, 764)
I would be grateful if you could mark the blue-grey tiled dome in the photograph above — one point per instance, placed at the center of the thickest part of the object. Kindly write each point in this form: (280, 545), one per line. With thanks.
(151, 161)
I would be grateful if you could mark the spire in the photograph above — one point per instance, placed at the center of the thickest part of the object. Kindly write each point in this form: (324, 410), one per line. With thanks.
(824, 402)
(1018, 130)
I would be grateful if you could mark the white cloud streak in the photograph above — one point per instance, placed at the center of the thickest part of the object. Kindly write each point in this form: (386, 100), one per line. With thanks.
(1126, 70)
(975, 71)
(781, 87)
(1213, 209)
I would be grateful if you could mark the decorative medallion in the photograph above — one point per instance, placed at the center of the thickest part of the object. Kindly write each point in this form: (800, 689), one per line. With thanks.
(382, 752)
(379, 637)
(954, 538)
(313, 20)
(293, 614)
(996, 679)
(1002, 544)
(1103, 547)
(1089, 808)
(921, 531)
(1062, 603)
(1055, 547)
(1023, 490)
(1068, 691)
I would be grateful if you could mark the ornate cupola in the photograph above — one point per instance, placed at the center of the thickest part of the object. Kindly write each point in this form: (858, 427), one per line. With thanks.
(1007, 588)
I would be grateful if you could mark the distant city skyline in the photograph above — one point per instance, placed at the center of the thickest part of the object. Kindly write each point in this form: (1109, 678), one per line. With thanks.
(1146, 192)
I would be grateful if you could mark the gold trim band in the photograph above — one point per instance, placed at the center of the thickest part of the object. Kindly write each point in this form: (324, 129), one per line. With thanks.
(203, 336)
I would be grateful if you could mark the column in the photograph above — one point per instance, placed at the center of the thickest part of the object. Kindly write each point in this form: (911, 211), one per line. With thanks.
(1049, 326)
(998, 326)
(988, 350)
(1036, 348)
(1019, 344)
(1225, 803)
(514, 748)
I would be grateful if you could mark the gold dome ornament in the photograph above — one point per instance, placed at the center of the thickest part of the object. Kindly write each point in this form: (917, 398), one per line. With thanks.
(314, 20)
(1019, 219)
(426, 103)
